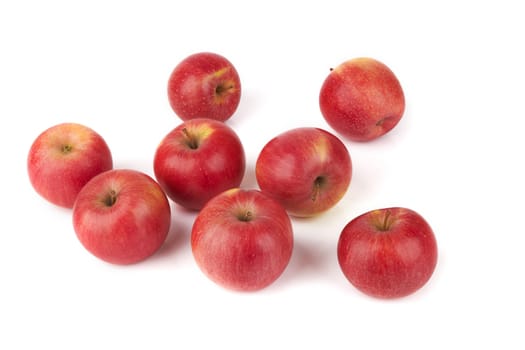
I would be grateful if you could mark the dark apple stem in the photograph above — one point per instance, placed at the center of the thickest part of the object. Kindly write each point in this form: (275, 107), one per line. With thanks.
(246, 216)
(190, 140)
(220, 89)
(111, 198)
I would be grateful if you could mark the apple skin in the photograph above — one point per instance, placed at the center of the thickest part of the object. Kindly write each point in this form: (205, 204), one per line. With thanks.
(204, 85)
(308, 170)
(63, 158)
(122, 216)
(242, 240)
(197, 160)
(362, 99)
(388, 253)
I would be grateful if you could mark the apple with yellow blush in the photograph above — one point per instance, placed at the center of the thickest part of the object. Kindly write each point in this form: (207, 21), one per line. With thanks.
(122, 216)
(308, 170)
(63, 158)
(362, 99)
(388, 253)
(204, 85)
(242, 240)
(197, 160)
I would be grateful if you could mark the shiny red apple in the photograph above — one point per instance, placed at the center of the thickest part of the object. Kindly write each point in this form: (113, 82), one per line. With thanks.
(63, 158)
(204, 85)
(242, 240)
(362, 99)
(122, 216)
(388, 253)
(197, 160)
(308, 170)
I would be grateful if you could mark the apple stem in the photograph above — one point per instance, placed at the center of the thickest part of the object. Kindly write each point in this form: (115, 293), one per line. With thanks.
(382, 121)
(246, 216)
(386, 224)
(220, 89)
(190, 140)
(318, 182)
(66, 149)
(110, 199)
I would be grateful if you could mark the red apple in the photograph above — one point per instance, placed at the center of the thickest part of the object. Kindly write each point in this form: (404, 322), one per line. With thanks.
(197, 160)
(388, 253)
(204, 85)
(362, 99)
(307, 169)
(122, 216)
(63, 158)
(242, 240)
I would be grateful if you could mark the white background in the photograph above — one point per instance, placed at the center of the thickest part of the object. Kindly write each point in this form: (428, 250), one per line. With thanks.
(455, 158)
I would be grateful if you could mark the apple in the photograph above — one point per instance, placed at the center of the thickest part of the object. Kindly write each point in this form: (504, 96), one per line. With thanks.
(122, 216)
(242, 240)
(308, 170)
(387, 253)
(204, 85)
(63, 158)
(362, 99)
(197, 160)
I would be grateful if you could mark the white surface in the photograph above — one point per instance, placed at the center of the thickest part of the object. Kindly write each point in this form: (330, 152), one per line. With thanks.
(455, 158)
